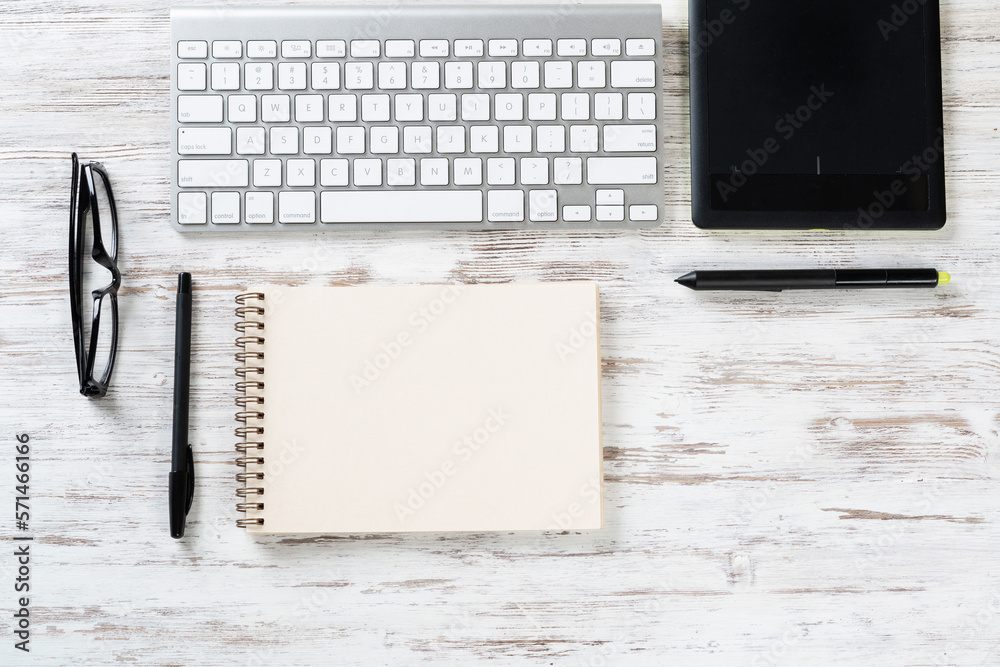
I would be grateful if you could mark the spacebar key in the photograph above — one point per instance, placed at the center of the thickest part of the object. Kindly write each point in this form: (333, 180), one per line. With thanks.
(621, 170)
(402, 206)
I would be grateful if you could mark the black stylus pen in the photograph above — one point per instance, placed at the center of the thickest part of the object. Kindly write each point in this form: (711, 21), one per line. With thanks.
(776, 281)
(182, 459)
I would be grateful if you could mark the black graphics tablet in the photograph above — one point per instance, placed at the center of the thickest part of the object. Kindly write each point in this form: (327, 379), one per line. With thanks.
(816, 114)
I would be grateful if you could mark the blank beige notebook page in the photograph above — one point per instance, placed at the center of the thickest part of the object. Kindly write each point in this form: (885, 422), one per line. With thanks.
(424, 408)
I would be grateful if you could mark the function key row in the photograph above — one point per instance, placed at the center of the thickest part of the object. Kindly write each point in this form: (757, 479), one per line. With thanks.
(408, 48)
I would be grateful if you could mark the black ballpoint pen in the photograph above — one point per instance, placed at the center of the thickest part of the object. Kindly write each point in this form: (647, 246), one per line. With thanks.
(182, 460)
(776, 281)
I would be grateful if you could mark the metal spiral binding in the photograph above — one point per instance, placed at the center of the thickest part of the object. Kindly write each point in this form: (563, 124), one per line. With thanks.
(251, 371)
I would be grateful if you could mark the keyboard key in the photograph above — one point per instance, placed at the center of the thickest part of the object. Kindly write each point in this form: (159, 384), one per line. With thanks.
(409, 108)
(343, 108)
(503, 48)
(308, 108)
(468, 171)
(500, 171)
(191, 76)
(558, 74)
(590, 74)
(402, 206)
(333, 172)
(375, 108)
(537, 48)
(225, 76)
(416, 139)
(633, 74)
(642, 213)
(492, 75)
(284, 140)
(434, 48)
(359, 76)
(576, 213)
(392, 76)
(426, 76)
(291, 76)
(325, 76)
(317, 140)
(641, 106)
(629, 138)
(571, 48)
(365, 48)
(542, 106)
(259, 208)
(351, 140)
(385, 140)
(509, 106)
(227, 49)
(583, 138)
(212, 173)
(192, 49)
(608, 106)
(640, 47)
(250, 141)
(296, 207)
(567, 171)
(262, 49)
(300, 173)
(505, 206)
(621, 170)
(542, 206)
(575, 106)
(550, 139)
(434, 171)
(606, 47)
(192, 208)
(242, 108)
(266, 173)
(610, 213)
(610, 197)
(331, 48)
(259, 76)
(517, 139)
(484, 139)
(399, 48)
(204, 141)
(534, 171)
(475, 107)
(524, 74)
(199, 108)
(296, 48)
(457, 75)
(401, 171)
(468, 48)
(451, 139)
(442, 107)
(275, 108)
(226, 208)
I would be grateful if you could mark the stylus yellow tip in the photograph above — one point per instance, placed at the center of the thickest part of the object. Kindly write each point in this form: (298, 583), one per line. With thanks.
(943, 278)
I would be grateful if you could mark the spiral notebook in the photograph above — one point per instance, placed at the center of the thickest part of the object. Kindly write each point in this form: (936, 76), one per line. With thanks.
(419, 408)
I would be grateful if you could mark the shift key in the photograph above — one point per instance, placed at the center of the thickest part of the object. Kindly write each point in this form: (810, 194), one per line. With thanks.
(213, 173)
(621, 170)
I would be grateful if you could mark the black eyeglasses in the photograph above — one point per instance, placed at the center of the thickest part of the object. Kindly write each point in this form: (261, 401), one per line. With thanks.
(91, 196)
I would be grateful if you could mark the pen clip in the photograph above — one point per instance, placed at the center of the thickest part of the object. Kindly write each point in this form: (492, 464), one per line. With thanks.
(189, 483)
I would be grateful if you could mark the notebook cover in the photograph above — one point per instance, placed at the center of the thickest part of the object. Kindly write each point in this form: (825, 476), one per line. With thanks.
(430, 408)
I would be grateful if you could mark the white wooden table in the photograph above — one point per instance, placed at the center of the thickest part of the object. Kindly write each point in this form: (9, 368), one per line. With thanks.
(804, 478)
